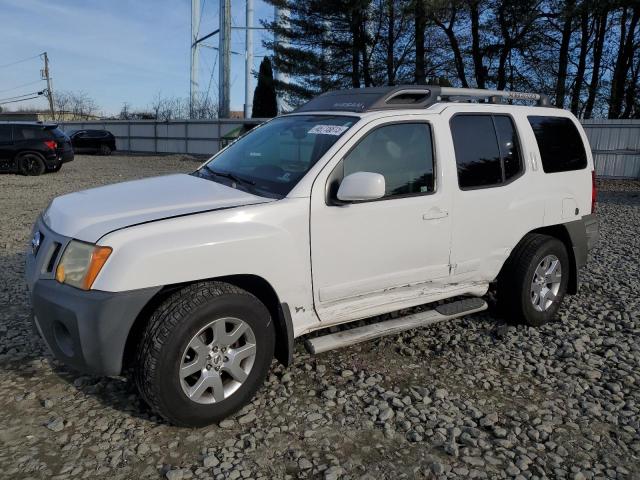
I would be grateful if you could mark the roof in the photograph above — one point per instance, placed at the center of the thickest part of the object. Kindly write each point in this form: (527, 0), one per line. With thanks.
(361, 100)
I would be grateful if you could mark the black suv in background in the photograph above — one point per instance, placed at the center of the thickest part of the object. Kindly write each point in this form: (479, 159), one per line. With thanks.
(95, 141)
(31, 148)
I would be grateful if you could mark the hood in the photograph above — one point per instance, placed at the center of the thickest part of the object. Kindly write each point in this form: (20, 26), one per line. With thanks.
(90, 214)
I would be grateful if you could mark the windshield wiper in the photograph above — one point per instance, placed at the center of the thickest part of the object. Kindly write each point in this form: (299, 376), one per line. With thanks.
(231, 176)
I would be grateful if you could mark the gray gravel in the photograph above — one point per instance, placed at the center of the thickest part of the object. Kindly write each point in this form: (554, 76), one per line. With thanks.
(474, 398)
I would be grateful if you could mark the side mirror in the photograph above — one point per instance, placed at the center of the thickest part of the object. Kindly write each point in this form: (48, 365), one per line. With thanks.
(361, 186)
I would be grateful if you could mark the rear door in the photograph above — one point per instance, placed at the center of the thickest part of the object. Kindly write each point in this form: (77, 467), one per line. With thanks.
(495, 202)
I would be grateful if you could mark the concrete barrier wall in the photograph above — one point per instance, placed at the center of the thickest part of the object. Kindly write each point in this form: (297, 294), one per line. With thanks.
(615, 143)
(199, 137)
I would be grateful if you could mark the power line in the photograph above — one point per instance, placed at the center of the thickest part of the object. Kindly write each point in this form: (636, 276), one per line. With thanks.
(21, 100)
(41, 92)
(38, 95)
(20, 86)
(19, 61)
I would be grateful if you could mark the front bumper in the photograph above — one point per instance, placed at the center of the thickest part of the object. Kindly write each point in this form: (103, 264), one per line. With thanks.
(87, 330)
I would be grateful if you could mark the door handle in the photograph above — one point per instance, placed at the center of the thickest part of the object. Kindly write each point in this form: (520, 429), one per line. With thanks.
(434, 214)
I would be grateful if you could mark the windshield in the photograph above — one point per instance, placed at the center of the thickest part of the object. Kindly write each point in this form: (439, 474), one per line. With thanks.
(271, 159)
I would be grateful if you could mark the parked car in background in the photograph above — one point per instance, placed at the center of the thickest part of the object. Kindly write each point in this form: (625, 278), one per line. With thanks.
(93, 141)
(32, 148)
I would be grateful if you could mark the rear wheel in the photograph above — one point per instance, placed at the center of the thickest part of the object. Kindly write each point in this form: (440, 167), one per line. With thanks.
(31, 164)
(204, 353)
(104, 150)
(534, 280)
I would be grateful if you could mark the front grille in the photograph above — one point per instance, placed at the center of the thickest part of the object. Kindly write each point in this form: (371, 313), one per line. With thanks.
(55, 251)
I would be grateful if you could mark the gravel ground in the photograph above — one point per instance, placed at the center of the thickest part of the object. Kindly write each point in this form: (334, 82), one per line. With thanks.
(474, 398)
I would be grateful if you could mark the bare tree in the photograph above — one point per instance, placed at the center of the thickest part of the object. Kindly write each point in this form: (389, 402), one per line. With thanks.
(172, 108)
(78, 105)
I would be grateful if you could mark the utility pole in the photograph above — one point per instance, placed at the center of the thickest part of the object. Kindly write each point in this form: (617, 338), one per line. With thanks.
(224, 58)
(195, 45)
(49, 90)
(248, 61)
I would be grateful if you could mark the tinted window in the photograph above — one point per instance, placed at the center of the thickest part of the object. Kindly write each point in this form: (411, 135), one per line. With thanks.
(401, 153)
(559, 142)
(5, 133)
(96, 133)
(487, 150)
(28, 132)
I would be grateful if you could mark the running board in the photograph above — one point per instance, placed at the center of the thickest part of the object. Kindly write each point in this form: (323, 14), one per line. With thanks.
(447, 311)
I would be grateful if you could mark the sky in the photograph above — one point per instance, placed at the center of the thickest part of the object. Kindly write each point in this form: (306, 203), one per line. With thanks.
(117, 51)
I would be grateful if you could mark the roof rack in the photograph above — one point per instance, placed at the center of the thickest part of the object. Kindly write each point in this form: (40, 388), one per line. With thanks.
(410, 96)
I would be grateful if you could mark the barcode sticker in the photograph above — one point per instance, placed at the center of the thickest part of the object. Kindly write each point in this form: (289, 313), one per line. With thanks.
(328, 130)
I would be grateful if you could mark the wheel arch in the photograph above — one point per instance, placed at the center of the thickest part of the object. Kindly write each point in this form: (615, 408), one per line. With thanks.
(560, 232)
(253, 284)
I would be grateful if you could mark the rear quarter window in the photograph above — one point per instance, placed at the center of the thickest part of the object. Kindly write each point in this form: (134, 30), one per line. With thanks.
(30, 133)
(559, 142)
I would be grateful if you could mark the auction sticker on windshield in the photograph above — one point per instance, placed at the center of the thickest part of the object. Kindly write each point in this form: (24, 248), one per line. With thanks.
(328, 130)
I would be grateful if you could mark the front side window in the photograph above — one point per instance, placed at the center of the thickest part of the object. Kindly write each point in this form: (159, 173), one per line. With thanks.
(401, 153)
(561, 148)
(270, 160)
(487, 150)
(5, 133)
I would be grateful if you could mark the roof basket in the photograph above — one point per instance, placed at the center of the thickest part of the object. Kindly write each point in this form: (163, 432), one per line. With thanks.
(409, 96)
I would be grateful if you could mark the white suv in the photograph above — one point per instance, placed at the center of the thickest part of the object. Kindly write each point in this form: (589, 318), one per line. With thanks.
(360, 203)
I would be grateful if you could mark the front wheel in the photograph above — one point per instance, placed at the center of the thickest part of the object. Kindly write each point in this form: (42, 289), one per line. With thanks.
(204, 353)
(534, 280)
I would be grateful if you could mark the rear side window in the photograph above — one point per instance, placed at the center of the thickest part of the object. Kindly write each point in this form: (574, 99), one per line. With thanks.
(560, 144)
(30, 133)
(5, 133)
(401, 153)
(487, 150)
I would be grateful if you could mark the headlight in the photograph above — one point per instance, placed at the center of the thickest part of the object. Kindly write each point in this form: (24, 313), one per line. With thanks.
(80, 264)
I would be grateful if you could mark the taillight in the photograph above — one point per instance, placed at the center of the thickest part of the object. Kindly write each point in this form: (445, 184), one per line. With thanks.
(51, 144)
(594, 191)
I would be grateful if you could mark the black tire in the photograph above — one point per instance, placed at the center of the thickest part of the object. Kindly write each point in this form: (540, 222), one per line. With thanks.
(104, 150)
(31, 164)
(515, 280)
(175, 322)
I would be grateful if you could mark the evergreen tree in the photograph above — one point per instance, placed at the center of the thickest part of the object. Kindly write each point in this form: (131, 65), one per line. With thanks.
(572, 50)
(265, 104)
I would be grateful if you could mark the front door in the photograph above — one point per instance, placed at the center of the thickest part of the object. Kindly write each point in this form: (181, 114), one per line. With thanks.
(6, 147)
(378, 256)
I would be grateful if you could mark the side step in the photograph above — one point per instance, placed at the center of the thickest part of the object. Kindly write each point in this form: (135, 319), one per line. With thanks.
(352, 336)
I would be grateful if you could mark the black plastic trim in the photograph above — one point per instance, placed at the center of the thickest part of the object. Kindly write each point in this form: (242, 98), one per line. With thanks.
(95, 324)
(286, 358)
